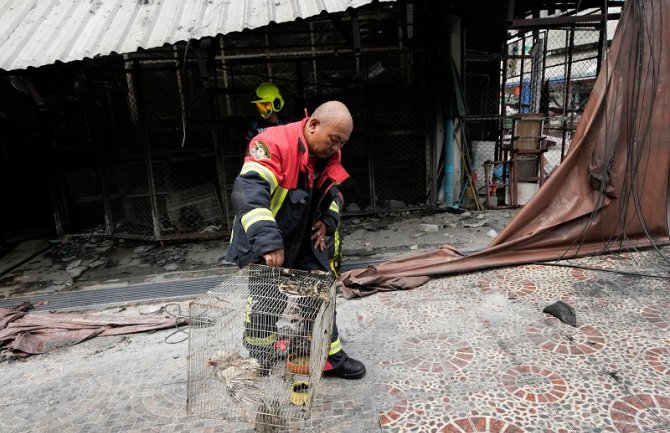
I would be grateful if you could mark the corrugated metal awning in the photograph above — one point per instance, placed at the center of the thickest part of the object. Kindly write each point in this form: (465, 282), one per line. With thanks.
(41, 32)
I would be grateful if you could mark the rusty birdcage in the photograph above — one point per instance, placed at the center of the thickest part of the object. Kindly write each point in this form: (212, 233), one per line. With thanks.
(257, 346)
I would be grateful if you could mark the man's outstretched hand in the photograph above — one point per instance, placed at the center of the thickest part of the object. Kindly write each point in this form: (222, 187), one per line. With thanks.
(319, 235)
(274, 258)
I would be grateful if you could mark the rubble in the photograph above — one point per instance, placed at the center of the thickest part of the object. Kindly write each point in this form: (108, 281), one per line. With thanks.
(429, 228)
(472, 223)
(75, 263)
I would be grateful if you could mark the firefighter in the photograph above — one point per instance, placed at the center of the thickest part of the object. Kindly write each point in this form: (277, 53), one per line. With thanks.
(269, 103)
(287, 205)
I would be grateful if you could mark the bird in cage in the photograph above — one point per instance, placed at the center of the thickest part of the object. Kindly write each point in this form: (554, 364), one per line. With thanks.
(315, 289)
(248, 385)
(269, 418)
(240, 375)
(291, 319)
(299, 345)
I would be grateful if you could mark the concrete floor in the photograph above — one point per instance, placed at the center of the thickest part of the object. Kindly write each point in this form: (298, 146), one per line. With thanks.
(470, 353)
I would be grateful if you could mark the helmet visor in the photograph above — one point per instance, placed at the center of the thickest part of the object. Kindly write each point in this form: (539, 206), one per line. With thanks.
(264, 109)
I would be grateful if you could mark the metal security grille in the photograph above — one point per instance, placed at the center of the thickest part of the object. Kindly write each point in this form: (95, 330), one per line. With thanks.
(173, 191)
(546, 71)
(147, 145)
(379, 85)
(177, 119)
(138, 157)
(81, 144)
(553, 74)
(396, 133)
(258, 343)
(480, 129)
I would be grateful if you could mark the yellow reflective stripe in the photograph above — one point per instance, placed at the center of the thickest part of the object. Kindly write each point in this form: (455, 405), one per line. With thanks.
(262, 171)
(335, 347)
(262, 341)
(336, 260)
(334, 207)
(333, 268)
(255, 215)
(278, 199)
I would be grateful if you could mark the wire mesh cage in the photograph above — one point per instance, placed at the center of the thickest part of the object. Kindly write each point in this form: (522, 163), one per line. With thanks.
(257, 346)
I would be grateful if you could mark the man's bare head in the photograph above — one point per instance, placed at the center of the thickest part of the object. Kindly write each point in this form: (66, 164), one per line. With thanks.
(328, 129)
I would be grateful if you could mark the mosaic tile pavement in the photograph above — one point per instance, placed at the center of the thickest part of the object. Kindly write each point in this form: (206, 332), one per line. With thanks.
(463, 354)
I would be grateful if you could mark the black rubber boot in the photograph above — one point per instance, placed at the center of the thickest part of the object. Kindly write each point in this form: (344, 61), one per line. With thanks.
(340, 365)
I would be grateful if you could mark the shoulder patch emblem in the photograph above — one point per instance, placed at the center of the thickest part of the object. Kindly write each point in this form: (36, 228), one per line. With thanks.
(260, 151)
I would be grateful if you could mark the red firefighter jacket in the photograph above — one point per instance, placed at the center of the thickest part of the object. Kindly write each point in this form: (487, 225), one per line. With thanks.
(276, 192)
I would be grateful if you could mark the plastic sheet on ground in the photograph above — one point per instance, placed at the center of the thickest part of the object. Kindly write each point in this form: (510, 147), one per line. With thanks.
(27, 333)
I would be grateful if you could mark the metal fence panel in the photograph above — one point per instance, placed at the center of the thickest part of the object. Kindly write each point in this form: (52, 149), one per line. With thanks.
(164, 136)
(548, 71)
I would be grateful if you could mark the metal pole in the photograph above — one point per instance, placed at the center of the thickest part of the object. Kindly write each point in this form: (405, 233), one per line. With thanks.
(567, 84)
(215, 110)
(504, 151)
(544, 60)
(448, 130)
(144, 136)
(371, 167)
(602, 39)
(98, 148)
(523, 61)
(449, 161)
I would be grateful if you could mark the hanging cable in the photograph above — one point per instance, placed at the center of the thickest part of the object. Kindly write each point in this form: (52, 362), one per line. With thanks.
(638, 126)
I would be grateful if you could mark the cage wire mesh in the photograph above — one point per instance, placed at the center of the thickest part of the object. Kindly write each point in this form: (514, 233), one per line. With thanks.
(258, 343)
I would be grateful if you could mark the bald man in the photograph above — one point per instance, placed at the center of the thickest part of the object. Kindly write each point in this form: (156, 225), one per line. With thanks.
(288, 205)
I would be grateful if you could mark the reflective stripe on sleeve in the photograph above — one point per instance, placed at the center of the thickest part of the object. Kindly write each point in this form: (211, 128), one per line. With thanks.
(262, 171)
(255, 215)
(334, 207)
(278, 199)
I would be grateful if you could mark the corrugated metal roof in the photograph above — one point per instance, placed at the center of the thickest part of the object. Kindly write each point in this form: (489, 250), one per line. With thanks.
(41, 32)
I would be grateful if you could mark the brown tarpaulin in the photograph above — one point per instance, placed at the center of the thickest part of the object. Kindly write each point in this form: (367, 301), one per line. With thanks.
(32, 333)
(611, 191)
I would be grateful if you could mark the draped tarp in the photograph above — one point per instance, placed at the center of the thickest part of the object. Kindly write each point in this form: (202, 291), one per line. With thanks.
(27, 333)
(611, 191)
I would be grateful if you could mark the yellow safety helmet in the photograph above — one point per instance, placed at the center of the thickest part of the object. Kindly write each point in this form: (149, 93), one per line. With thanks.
(269, 100)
